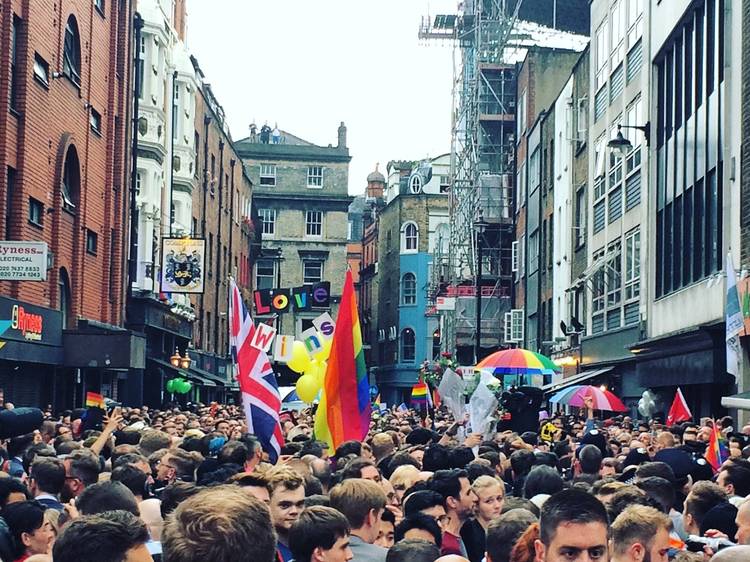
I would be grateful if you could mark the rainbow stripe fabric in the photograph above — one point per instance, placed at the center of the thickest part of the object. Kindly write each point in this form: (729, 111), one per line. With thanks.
(717, 451)
(344, 408)
(419, 395)
(94, 400)
(518, 361)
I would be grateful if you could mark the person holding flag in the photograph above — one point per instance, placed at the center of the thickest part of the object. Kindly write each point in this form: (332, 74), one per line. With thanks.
(679, 411)
(717, 451)
(260, 393)
(344, 410)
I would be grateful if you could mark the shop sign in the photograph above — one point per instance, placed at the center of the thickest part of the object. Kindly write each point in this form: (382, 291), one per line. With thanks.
(24, 322)
(445, 303)
(23, 261)
(183, 265)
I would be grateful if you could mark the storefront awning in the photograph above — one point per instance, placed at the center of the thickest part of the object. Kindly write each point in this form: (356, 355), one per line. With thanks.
(200, 379)
(578, 379)
(212, 379)
(740, 401)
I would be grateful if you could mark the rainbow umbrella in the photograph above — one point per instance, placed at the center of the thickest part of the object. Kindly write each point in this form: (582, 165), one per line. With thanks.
(603, 399)
(518, 362)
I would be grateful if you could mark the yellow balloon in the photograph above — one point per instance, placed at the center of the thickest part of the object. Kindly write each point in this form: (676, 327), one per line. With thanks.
(312, 369)
(307, 388)
(322, 368)
(300, 360)
(324, 351)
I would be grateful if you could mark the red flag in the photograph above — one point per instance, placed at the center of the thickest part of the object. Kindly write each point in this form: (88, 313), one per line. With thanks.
(679, 410)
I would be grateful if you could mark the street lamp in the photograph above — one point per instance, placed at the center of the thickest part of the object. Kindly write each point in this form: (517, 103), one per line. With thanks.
(175, 359)
(622, 145)
(185, 361)
(480, 225)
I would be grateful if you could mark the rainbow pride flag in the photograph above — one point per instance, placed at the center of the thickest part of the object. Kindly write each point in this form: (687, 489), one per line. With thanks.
(344, 408)
(420, 396)
(94, 400)
(717, 451)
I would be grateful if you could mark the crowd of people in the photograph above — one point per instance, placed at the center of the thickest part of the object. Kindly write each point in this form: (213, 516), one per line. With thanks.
(192, 485)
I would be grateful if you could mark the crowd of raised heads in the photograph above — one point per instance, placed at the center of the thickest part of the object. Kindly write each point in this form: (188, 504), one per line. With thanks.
(193, 485)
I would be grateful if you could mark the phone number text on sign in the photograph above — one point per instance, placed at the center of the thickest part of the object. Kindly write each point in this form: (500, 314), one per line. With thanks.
(23, 261)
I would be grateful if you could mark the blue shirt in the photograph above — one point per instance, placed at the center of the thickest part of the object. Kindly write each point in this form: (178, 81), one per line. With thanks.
(284, 553)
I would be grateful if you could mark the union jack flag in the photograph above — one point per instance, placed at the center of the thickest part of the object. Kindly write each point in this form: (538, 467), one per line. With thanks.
(260, 393)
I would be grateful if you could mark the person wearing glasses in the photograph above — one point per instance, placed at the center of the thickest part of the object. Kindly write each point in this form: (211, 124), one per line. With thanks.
(82, 469)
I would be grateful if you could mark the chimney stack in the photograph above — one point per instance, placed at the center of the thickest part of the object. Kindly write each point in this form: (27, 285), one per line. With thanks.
(342, 136)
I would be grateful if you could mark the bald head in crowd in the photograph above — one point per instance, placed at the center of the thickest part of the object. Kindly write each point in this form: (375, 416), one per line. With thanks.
(732, 554)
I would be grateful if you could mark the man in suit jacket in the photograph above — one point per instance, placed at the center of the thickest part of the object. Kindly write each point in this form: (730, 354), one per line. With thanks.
(46, 481)
(362, 502)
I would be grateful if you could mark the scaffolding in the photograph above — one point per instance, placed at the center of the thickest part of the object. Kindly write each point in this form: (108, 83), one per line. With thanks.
(482, 171)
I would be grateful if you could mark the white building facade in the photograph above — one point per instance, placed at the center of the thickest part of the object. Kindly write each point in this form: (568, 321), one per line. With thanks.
(166, 139)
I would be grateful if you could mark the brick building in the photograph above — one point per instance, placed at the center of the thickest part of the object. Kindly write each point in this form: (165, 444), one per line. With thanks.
(369, 279)
(64, 109)
(222, 216)
(355, 232)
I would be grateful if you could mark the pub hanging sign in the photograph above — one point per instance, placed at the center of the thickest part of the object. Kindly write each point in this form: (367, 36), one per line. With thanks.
(183, 265)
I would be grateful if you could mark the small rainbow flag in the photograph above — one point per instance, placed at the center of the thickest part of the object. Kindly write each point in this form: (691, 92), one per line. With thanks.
(94, 400)
(717, 451)
(420, 395)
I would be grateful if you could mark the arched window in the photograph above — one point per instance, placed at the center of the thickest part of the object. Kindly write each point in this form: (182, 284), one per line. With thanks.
(415, 184)
(408, 289)
(442, 238)
(72, 51)
(409, 237)
(65, 301)
(71, 183)
(408, 345)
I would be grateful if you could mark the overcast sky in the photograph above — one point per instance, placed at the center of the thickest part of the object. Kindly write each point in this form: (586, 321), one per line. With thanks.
(310, 64)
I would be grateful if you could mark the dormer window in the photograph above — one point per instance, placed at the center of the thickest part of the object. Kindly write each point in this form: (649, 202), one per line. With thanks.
(415, 184)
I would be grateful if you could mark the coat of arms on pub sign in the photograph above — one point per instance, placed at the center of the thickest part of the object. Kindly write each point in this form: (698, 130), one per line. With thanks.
(182, 265)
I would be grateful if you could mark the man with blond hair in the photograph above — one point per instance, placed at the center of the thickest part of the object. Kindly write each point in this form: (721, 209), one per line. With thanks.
(221, 523)
(382, 446)
(362, 502)
(152, 440)
(287, 502)
(640, 533)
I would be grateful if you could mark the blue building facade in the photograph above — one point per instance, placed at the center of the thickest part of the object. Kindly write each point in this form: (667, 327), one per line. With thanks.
(410, 223)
